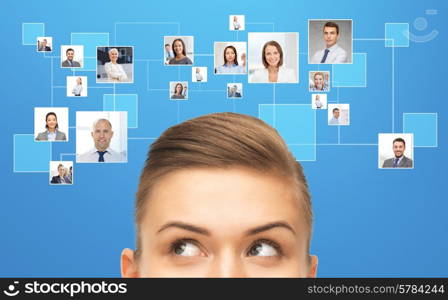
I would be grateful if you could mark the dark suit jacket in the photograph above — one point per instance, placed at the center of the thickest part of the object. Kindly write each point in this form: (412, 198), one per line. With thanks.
(404, 163)
(75, 64)
(57, 179)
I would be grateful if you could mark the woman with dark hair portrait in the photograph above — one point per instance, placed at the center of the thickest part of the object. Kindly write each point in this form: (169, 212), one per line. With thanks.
(273, 71)
(180, 54)
(178, 91)
(230, 65)
(52, 133)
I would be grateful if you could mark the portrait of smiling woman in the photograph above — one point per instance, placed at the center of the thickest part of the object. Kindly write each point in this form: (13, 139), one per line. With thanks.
(221, 196)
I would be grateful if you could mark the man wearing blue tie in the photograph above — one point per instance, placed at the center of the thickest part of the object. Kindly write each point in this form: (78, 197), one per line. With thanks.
(69, 62)
(333, 53)
(102, 135)
(399, 161)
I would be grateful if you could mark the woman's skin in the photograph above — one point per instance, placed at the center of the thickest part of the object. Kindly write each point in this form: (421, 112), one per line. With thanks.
(78, 81)
(273, 58)
(178, 49)
(319, 82)
(230, 57)
(51, 123)
(241, 223)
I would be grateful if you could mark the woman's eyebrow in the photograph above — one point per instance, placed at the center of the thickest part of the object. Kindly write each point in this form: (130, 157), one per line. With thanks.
(269, 226)
(185, 226)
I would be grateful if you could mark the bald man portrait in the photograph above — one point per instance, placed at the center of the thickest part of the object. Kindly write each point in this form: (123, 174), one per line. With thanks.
(102, 135)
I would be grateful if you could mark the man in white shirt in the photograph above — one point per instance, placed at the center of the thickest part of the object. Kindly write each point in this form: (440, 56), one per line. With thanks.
(102, 135)
(333, 53)
(335, 119)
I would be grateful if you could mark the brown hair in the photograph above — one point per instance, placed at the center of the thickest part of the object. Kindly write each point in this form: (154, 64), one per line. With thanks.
(235, 61)
(331, 24)
(279, 49)
(220, 140)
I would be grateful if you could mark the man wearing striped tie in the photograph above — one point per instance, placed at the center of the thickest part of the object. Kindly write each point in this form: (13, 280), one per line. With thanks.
(333, 53)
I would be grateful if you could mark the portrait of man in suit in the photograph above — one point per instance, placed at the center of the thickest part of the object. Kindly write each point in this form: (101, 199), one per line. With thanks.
(102, 135)
(62, 177)
(400, 160)
(70, 62)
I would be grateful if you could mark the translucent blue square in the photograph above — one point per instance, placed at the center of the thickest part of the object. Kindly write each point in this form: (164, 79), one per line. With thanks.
(90, 64)
(423, 126)
(396, 35)
(296, 123)
(30, 33)
(31, 156)
(351, 75)
(90, 40)
(123, 102)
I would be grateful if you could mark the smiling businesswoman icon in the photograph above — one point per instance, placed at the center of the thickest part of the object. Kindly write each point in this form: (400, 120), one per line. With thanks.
(221, 196)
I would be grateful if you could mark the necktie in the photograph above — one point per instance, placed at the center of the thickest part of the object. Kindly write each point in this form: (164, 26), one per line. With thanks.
(325, 56)
(396, 162)
(101, 158)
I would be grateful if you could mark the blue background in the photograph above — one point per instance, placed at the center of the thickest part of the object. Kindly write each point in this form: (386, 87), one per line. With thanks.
(368, 222)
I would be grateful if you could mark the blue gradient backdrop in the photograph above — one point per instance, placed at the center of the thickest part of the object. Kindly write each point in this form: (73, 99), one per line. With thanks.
(368, 222)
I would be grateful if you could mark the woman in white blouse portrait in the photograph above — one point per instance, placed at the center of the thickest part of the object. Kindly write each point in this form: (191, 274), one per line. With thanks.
(114, 71)
(273, 71)
(77, 89)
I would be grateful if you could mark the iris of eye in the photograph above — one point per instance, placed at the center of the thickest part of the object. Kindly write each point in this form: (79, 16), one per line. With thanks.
(262, 249)
(180, 249)
(187, 249)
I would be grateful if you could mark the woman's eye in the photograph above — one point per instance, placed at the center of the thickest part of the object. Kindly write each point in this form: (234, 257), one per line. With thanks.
(186, 248)
(264, 248)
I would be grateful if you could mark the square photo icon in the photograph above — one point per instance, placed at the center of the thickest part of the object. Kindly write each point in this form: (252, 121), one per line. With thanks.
(76, 86)
(396, 151)
(72, 56)
(44, 44)
(61, 172)
(199, 74)
(230, 58)
(272, 57)
(51, 124)
(115, 64)
(339, 114)
(319, 101)
(234, 90)
(178, 50)
(178, 90)
(237, 22)
(330, 41)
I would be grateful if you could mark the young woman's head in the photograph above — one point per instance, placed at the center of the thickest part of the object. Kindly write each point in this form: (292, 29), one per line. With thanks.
(319, 80)
(221, 196)
(179, 48)
(51, 121)
(178, 89)
(230, 56)
(272, 55)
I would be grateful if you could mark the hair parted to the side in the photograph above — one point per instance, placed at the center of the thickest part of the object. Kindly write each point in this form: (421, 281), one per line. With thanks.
(221, 140)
